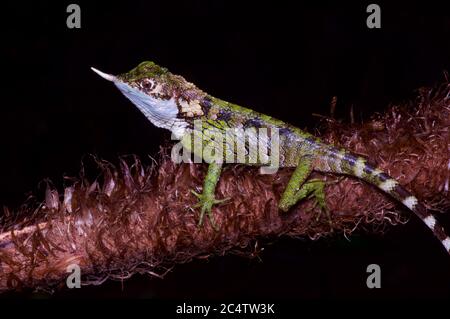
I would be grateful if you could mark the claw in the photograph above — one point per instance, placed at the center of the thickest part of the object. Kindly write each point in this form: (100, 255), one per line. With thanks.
(196, 194)
(220, 201)
(319, 200)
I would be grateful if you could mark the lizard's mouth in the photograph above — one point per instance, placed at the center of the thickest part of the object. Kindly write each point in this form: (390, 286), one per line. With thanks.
(161, 112)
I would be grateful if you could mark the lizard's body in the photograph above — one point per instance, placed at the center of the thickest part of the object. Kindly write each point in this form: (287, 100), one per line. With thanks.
(170, 102)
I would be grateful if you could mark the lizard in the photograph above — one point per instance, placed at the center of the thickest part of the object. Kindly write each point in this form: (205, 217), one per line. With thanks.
(171, 102)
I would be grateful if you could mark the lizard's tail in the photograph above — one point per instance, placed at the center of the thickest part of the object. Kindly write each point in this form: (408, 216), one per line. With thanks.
(341, 161)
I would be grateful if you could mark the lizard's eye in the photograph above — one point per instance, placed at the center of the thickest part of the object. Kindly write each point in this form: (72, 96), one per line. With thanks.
(148, 84)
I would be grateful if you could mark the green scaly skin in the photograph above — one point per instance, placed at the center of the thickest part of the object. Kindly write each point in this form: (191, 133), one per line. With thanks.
(207, 199)
(171, 102)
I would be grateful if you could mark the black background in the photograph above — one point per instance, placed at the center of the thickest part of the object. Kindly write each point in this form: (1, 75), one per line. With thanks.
(278, 58)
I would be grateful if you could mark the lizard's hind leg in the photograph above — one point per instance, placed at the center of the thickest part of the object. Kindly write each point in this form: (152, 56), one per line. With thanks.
(299, 188)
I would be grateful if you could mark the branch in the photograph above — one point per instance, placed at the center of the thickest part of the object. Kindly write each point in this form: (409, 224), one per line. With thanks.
(138, 218)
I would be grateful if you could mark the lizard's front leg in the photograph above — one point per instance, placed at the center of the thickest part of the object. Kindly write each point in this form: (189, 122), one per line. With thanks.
(298, 189)
(206, 198)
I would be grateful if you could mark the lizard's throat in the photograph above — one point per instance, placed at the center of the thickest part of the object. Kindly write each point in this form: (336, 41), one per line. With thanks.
(162, 113)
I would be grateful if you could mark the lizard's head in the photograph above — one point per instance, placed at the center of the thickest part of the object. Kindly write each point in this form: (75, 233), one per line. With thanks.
(167, 100)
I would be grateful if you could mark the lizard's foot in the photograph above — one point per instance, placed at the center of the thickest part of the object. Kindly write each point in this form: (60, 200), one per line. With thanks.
(317, 187)
(206, 202)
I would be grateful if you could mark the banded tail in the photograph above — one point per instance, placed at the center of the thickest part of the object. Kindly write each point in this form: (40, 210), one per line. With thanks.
(341, 161)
